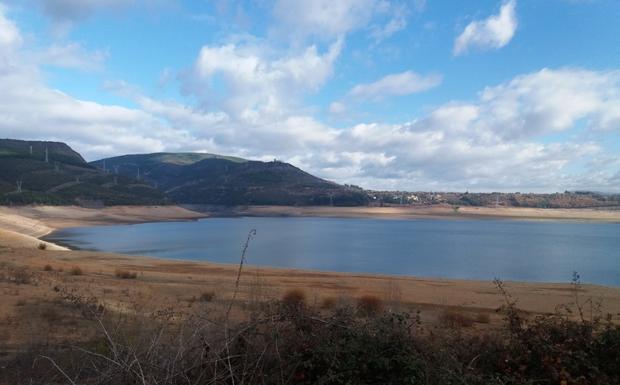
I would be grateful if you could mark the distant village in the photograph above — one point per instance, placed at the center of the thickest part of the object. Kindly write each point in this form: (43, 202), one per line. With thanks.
(567, 199)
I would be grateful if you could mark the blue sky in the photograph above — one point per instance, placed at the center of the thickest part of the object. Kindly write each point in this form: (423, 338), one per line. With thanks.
(489, 95)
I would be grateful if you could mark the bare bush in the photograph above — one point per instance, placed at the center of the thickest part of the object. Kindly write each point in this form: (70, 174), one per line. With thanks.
(329, 303)
(456, 319)
(294, 298)
(207, 296)
(483, 318)
(125, 274)
(369, 304)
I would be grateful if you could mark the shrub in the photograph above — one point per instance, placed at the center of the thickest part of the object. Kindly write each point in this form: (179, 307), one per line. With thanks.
(483, 318)
(48, 267)
(369, 304)
(455, 319)
(207, 296)
(328, 303)
(42, 246)
(125, 274)
(294, 298)
(76, 270)
(282, 346)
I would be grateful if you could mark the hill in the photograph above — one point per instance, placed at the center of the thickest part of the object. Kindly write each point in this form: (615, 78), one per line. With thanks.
(213, 179)
(53, 173)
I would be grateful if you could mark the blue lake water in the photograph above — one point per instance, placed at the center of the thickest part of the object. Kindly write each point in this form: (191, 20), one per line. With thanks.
(469, 249)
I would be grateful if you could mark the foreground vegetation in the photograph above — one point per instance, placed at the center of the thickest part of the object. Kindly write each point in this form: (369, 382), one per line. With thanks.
(294, 341)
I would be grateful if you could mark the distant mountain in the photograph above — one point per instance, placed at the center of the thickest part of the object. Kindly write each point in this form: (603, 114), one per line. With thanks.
(214, 179)
(53, 173)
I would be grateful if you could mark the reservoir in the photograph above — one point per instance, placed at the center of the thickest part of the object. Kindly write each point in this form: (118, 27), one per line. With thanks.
(544, 251)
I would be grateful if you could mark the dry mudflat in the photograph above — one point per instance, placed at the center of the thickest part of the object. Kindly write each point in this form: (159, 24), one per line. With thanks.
(436, 211)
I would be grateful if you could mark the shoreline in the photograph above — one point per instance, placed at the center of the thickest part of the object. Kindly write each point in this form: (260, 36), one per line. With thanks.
(420, 212)
(179, 284)
(32, 223)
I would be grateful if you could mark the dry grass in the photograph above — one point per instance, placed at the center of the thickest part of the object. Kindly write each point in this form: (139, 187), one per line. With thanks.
(76, 270)
(125, 274)
(369, 304)
(294, 298)
(207, 296)
(455, 319)
(329, 303)
(17, 275)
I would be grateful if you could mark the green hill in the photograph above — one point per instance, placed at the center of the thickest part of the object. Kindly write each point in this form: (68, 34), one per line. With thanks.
(63, 177)
(214, 179)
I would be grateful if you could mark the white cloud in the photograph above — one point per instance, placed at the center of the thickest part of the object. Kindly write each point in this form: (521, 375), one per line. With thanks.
(337, 108)
(72, 55)
(323, 18)
(327, 19)
(254, 84)
(399, 84)
(550, 101)
(489, 143)
(397, 21)
(9, 34)
(491, 33)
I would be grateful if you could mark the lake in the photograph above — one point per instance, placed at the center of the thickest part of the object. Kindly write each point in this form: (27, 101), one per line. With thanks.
(468, 249)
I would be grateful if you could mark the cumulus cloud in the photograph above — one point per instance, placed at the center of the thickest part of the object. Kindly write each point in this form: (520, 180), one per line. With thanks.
(9, 33)
(491, 33)
(399, 84)
(252, 83)
(494, 142)
(323, 18)
(550, 101)
(329, 19)
(490, 143)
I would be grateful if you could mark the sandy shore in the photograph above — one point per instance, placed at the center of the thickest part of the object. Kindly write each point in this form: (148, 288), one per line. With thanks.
(416, 212)
(177, 284)
(22, 226)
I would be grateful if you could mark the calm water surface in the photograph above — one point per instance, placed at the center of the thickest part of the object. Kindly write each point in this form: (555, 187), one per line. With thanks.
(471, 249)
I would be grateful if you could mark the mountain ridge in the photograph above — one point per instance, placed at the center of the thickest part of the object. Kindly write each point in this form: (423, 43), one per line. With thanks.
(200, 178)
(45, 172)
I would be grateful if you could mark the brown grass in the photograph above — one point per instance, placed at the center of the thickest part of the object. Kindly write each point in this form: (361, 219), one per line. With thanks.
(125, 274)
(453, 319)
(294, 298)
(207, 296)
(369, 304)
(17, 275)
(328, 303)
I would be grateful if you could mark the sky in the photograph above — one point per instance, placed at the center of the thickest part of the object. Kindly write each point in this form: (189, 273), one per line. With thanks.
(434, 95)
